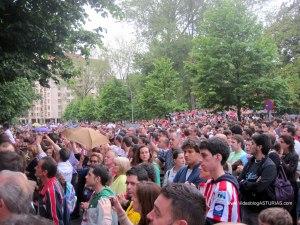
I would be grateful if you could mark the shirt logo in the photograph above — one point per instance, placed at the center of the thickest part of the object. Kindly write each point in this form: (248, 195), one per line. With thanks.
(218, 210)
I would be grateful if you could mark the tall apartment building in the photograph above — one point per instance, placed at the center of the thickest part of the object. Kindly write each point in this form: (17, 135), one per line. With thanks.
(50, 106)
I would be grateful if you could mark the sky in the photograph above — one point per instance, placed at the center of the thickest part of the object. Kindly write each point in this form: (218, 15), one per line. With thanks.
(125, 31)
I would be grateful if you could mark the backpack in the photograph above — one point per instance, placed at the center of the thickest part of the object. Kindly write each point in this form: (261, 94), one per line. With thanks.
(284, 191)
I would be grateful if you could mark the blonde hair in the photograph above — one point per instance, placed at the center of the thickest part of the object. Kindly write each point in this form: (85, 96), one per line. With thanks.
(123, 163)
(275, 216)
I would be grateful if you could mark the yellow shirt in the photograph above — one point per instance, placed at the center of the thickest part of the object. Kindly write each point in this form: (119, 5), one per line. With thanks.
(132, 215)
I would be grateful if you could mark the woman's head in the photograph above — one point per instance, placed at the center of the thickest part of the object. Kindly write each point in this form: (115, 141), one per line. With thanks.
(286, 143)
(144, 154)
(121, 165)
(178, 157)
(143, 199)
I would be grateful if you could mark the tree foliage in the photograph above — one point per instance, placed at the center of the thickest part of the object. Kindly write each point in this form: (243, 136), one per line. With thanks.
(114, 101)
(35, 35)
(161, 92)
(15, 98)
(232, 59)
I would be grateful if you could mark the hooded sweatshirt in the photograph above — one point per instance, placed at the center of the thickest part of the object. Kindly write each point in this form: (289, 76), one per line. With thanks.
(222, 200)
(94, 214)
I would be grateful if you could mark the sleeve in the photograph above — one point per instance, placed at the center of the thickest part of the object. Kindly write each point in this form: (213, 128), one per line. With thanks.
(177, 176)
(166, 177)
(224, 206)
(268, 175)
(51, 206)
(124, 220)
(291, 167)
(157, 174)
(161, 155)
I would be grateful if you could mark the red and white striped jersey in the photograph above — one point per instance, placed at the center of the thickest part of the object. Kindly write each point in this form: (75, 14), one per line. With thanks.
(222, 201)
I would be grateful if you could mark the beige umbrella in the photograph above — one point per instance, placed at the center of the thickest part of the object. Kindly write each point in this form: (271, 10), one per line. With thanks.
(87, 137)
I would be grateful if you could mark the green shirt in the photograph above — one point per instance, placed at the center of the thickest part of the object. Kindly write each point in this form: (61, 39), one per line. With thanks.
(235, 156)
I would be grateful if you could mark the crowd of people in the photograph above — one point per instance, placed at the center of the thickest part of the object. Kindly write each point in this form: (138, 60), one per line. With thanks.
(192, 168)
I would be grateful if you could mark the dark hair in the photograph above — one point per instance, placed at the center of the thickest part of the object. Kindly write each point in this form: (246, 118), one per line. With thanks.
(150, 170)
(4, 138)
(236, 129)
(176, 152)
(145, 140)
(227, 132)
(102, 172)
(182, 197)
(119, 138)
(139, 172)
(248, 131)
(146, 193)
(264, 141)
(216, 145)
(291, 129)
(49, 164)
(6, 125)
(136, 155)
(289, 140)
(12, 161)
(64, 154)
(127, 141)
(134, 139)
(190, 143)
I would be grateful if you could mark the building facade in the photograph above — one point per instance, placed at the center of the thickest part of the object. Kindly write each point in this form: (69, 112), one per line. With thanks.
(51, 104)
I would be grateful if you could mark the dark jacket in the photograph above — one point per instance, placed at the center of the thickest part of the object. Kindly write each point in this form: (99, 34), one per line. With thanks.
(193, 178)
(289, 164)
(256, 183)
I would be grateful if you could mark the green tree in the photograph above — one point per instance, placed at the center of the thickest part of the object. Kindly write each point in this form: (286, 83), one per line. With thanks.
(161, 91)
(285, 29)
(82, 109)
(35, 35)
(15, 98)
(114, 101)
(232, 59)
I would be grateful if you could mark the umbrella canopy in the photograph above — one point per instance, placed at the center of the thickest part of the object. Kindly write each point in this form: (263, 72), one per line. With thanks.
(87, 137)
(42, 129)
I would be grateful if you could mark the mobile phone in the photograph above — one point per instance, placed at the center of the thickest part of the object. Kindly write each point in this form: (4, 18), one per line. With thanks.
(111, 199)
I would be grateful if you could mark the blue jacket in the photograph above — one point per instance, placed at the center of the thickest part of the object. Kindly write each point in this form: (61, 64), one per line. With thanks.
(193, 178)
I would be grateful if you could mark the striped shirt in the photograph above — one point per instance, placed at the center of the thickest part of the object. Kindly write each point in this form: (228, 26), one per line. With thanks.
(222, 201)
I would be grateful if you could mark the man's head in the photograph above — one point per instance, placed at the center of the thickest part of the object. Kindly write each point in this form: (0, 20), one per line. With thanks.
(46, 168)
(173, 206)
(236, 142)
(64, 154)
(214, 153)
(109, 159)
(289, 130)
(95, 159)
(274, 216)
(12, 161)
(27, 219)
(97, 176)
(260, 144)
(5, 144)
(191, 152)
(15, 193)
(175, 140)
(163, 142)
(135, 175)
